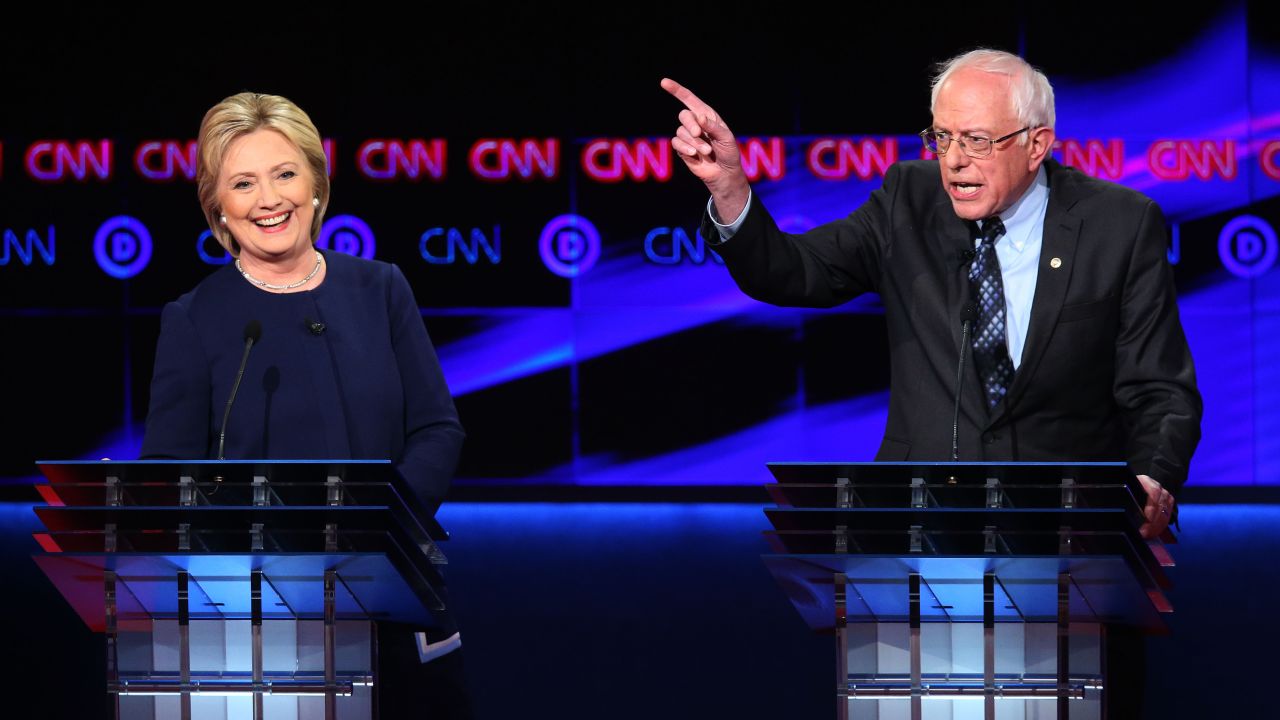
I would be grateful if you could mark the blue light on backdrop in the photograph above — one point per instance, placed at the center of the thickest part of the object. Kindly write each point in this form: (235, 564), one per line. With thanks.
(1198, 131)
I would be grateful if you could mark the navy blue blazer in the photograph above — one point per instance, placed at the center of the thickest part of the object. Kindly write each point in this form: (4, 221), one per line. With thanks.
(368, 387)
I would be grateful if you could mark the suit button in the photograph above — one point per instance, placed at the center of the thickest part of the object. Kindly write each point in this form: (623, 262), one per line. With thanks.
(990, 438)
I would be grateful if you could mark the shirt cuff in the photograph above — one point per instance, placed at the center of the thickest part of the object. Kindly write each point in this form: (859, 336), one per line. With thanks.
(728, 231)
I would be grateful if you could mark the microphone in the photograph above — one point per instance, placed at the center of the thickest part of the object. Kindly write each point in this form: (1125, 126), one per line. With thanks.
(252, 333)
(967, 315)
(316, 327)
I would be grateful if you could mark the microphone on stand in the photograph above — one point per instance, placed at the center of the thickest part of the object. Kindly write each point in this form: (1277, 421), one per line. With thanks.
(252, 333)
(967, 315)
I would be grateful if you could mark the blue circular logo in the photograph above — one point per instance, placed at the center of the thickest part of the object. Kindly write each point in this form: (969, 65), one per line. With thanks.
(122, 246)
(219, 255)
(347, 234)
(569, 245)
(1247, 246)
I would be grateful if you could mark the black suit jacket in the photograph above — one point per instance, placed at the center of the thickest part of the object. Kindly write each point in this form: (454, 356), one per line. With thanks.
(1106, 373)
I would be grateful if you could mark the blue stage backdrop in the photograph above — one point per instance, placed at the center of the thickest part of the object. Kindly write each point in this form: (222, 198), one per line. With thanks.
(589, 334)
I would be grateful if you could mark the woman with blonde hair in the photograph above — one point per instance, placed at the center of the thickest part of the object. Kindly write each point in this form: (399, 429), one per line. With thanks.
(341, 366)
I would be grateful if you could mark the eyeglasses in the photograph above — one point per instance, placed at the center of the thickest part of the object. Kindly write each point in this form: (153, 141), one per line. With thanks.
(977, 146)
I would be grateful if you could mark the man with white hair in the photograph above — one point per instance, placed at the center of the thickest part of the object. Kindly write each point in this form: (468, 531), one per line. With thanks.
(1076, 338)
(1062, 279)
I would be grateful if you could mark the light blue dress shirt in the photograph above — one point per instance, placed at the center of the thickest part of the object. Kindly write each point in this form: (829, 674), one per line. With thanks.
(1018, 251)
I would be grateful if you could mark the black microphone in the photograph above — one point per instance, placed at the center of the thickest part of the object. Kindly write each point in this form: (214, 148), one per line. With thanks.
(252, 333)
(316, 327)
(967, 315)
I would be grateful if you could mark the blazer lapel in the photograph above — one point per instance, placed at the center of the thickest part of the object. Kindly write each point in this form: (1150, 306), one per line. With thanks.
(953, 237)
(1061, 233)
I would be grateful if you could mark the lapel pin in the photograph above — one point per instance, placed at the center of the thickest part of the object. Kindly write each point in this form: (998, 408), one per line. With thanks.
(1055, 263)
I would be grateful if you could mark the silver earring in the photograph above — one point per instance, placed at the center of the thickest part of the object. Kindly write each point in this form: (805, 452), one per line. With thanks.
(315, 202)
(222, 219)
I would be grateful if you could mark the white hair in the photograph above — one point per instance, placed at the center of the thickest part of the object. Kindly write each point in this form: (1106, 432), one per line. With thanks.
(1032, 95)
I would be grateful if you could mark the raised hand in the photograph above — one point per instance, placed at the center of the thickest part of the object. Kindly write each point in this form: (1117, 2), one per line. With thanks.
(707, 146)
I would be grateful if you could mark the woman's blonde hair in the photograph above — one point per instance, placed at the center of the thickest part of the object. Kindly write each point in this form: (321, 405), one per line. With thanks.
(238, 116)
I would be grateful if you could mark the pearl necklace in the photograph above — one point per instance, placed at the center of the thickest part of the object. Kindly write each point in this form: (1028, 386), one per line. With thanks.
(290, 286)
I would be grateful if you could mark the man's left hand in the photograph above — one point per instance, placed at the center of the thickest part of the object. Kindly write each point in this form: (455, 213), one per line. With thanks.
(1159, 508)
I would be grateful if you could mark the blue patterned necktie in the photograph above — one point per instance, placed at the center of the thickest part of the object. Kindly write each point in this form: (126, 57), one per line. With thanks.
(990, 344)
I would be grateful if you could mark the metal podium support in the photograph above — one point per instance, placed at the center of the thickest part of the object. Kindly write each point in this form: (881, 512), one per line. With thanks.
(950, 582)
(243, 584)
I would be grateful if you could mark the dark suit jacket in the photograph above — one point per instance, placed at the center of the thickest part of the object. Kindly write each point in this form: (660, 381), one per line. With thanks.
(1106, 373)
(368, 387)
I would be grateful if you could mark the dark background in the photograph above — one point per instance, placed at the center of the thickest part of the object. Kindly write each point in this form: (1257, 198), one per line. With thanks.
(82, 342)
(571, 610)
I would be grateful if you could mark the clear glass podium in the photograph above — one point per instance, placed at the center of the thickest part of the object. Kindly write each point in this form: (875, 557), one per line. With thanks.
(967, 590)
(232, 589)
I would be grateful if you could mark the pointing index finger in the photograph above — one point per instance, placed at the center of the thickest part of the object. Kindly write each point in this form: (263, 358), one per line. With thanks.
(686, 96)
